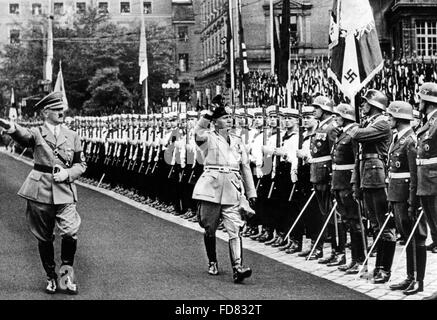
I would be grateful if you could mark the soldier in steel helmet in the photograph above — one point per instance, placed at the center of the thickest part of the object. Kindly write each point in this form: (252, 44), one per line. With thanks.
(343, 155)
(374, 137)
(321, 167)
(427, 160)
(401, 194)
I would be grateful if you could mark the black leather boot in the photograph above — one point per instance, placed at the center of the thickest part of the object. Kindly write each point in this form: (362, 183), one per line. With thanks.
(387, 260)
(210, 246)
(273, 239)
(267, 235)
(47, 255)
(236, 255)
(379, 257)
(410, 272)
(353, 246)
(417, 286)
(413, 288)
(68, 250)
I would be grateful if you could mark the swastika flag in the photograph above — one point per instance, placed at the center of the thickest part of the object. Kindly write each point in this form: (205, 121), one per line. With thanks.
(353, 41)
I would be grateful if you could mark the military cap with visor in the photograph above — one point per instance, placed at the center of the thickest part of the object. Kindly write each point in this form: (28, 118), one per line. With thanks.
(52, 101)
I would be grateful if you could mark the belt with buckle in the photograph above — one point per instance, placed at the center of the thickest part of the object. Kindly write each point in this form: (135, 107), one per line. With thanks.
(424, 162)
(366, 156)
(340, 167)
(221, 169)
(399, 175)
(42, 168)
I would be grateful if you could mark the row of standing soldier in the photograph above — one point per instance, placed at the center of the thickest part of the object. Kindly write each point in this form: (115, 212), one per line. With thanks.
(335, 158)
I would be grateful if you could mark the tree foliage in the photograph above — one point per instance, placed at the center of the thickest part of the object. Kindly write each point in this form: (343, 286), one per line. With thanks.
(99, 62)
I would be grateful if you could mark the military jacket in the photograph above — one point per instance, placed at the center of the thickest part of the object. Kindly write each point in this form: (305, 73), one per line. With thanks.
(402, 169)
(374, 139)
(320, 147)
(343, 155)
(427, 157)
(224, 188)
(40, 186)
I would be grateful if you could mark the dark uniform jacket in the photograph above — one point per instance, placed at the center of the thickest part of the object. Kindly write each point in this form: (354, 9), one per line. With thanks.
(427, 151)
(343, 154)
(321, 146)
(375, 138)
(402, 160)
(40, 186)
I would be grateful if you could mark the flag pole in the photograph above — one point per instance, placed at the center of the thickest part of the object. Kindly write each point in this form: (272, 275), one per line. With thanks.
(48, 68)
(146, 96)
(231, 53)
(143, 46)
(272, 48)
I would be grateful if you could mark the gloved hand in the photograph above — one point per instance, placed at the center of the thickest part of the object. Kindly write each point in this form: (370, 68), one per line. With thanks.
(412, 213)
(252, 202)
(60, 174)
(389, 207)
(293, 175)
(357, 192)
(301, 154)
(258, 172)
(279, 152)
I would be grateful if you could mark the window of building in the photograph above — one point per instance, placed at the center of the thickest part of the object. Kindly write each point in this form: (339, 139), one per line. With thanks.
(426, 38)
(147, 6)
(14, 8)
(36, 9)
(183, 62)
(14, 36)
(103, 7)
(58, 8)
(124, 7)
(80, 7)
(183, 33)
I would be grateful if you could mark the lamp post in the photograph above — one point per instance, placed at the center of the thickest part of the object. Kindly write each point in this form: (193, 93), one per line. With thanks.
(172, 89)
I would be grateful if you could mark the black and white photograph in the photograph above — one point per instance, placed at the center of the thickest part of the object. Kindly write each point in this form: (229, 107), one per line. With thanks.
(220, 158)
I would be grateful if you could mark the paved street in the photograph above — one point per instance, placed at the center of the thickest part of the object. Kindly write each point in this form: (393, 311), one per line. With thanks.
(125, 252)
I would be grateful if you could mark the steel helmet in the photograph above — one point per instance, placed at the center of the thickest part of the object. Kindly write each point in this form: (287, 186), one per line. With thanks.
(376, 98)
(400, 110)
(428, 92)
(345, 111)
(324, 103)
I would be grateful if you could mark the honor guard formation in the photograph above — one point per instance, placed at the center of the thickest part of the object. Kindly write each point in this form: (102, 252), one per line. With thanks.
(269, 173)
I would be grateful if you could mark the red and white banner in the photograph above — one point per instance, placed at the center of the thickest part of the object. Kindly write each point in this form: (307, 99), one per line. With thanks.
(355, 52)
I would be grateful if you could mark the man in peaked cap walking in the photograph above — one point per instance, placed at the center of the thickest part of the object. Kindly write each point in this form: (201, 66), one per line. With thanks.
(49, 188)
(223, 187)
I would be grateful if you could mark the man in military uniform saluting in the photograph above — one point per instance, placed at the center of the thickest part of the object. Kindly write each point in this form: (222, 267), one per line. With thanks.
(427, 160)
(374, 137)
(49, 188)
(223, 187)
